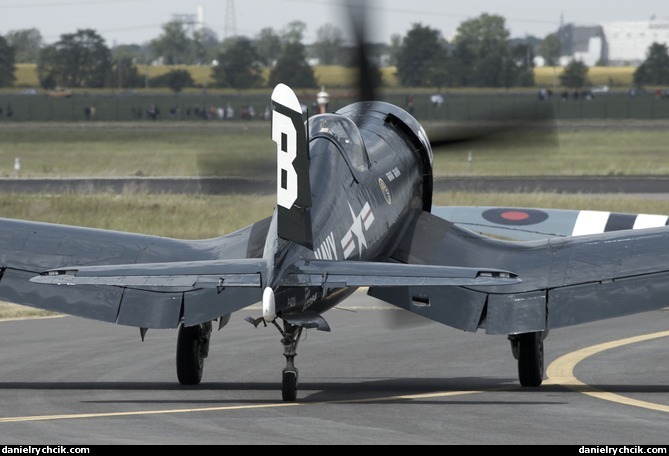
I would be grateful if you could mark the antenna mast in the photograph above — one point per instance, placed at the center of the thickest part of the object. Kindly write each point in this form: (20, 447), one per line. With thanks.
(230, 27)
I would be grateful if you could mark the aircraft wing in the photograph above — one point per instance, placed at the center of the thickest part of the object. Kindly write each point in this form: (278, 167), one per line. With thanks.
(565, 281)
(528, 224)
(27, 249)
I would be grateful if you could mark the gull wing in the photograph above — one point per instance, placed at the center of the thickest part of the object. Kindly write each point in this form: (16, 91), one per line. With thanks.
(528, 224)
(565, 281)
(27, 249)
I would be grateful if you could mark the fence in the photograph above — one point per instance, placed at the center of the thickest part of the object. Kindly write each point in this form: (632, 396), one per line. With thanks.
(198, 107)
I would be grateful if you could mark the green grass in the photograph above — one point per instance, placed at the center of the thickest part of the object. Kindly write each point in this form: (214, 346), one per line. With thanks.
(340, 76)
(178, 216)
(613, 149)
(245, 149)
(99, 149)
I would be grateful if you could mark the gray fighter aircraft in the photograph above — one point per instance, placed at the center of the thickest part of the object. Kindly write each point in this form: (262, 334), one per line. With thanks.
(354, 209)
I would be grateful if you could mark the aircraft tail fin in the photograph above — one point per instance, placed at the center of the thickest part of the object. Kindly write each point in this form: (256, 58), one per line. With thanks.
(293, 186)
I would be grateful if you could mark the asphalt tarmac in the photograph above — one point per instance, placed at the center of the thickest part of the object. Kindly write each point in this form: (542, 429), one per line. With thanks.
(73, 381)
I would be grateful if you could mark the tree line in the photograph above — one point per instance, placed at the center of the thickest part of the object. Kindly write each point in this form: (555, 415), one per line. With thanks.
(482, 54)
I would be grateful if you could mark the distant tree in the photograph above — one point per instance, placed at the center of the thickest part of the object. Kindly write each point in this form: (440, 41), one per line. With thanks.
(551, 49)
(7, 68)
(26, 43)
(483, 53)
(575, 75)
(125, 74)
(655, 69)
(205, 46)
(136, 53)
(80, 59)
(292, 68)
(441, 72)
(523, 59)
(395, 48)
(173, 45)
(238, 66)
(294, 32)
(175, 80)
(416, 56)
(268, 46)
(328, 45)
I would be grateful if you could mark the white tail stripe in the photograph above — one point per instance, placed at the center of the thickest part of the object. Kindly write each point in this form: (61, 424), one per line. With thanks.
(590, 222)
(649, 221)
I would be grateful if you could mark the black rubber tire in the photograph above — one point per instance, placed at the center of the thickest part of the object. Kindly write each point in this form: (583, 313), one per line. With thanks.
(190, 362)
(289, 386)
(531, 359)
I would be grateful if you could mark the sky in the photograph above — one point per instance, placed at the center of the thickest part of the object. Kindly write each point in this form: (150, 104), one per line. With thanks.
(138, 21)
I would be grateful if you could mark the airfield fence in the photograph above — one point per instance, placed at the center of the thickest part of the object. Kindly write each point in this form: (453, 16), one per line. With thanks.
(198, 107)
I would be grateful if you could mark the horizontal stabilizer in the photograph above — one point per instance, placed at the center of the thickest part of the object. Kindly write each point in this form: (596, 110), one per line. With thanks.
(174, 275)
(337, 274)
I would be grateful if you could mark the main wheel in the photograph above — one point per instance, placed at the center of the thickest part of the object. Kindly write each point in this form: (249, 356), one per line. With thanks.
(190, 354)
(531, 359)
(289, 386)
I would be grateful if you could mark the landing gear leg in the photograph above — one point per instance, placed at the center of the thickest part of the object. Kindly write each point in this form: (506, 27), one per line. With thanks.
(291, 337)
(192, 349)
(528, 349)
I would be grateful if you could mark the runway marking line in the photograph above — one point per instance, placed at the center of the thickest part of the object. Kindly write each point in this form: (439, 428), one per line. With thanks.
(74, 416)
(561, 372)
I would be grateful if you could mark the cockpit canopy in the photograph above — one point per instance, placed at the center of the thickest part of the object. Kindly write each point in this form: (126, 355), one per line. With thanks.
(344, 133)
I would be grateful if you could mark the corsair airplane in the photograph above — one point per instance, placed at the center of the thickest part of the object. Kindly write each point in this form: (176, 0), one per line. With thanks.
(354, 209)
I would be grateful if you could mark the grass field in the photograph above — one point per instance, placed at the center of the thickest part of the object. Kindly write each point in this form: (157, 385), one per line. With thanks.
(336, 76)
(206, 216)
(614, 77)
(245, 149)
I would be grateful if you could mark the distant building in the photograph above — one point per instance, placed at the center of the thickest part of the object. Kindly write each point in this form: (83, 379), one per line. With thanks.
(629, 41)
(612, 43)
(585, 43)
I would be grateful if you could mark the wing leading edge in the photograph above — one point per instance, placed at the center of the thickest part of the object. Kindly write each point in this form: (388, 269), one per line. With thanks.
(565, 281)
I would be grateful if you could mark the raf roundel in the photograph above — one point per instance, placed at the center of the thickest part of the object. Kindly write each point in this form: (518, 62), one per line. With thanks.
(515, 217)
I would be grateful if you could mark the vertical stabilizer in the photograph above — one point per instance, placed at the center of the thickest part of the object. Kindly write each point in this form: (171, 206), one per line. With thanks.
(293, 188)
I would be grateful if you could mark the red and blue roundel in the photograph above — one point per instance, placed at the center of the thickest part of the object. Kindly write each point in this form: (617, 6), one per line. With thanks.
(515, 217)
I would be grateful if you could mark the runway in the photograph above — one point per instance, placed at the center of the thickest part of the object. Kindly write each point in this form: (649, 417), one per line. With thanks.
(73, 381)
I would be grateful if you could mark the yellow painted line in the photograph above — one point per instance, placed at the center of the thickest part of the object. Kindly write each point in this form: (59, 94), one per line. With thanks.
(561, 372)
(36, 317)
(75, 416)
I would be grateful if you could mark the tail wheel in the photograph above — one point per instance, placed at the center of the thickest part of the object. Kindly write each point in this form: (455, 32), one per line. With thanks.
(531, 358)
(192, 347)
